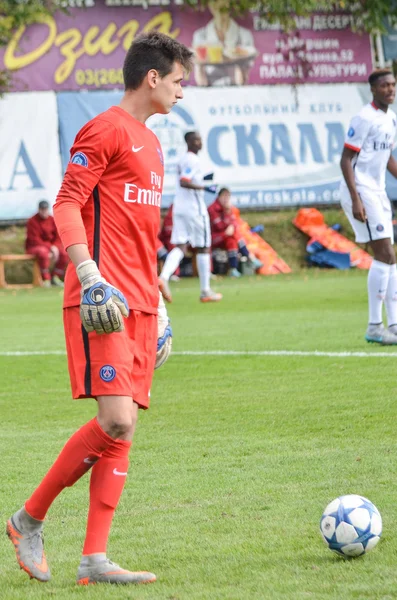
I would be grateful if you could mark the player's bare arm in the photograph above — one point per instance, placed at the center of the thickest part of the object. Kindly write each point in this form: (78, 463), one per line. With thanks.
(189, 185)
(392, 166)
(347, 169)
(78, 253)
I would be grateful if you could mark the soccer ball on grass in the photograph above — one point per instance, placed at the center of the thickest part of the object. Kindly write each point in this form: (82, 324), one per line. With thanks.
(351, 525)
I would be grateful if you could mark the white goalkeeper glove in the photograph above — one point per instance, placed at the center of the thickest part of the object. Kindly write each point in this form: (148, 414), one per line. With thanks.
(102, 306)
(164, 335)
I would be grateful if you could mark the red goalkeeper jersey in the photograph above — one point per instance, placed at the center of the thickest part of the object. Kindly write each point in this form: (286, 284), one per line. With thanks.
(110, 199)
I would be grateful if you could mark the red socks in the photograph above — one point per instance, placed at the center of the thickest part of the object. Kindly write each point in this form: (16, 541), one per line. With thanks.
(89, 447)
(78, 455)
(107, 483)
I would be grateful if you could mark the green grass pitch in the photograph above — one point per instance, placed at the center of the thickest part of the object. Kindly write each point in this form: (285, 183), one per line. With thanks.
(238, 455)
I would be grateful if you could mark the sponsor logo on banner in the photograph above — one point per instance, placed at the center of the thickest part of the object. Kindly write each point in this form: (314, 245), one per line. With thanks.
(273, 146)
(269, 147)
(171, 130)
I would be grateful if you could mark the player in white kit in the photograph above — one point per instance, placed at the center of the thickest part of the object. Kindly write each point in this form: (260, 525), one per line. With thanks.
(366, 157)
(191, 224)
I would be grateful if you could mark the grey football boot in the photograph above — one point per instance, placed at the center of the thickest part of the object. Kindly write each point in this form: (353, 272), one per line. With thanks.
(393, 329)
(378, 334)
(99, 569)
(210, 296)
(26, 533)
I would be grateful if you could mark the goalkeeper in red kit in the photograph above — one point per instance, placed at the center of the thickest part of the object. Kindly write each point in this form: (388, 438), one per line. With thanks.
(108, 214)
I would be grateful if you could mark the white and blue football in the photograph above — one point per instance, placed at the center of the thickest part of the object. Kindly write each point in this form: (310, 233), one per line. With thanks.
(351, 525)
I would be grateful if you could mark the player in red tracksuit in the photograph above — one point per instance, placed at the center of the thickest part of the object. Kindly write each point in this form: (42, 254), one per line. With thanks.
(108, 216)
(166, 231)
(43, 241)
(225, 234)
(164, 237)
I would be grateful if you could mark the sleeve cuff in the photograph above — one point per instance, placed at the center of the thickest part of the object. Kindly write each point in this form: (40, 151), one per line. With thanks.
(352, 147)
(74, 236)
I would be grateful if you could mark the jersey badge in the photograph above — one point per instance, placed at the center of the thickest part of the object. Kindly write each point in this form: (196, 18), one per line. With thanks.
(159, 152)
(351, 132)
(107, 373)
(79, 158)
(379, 227)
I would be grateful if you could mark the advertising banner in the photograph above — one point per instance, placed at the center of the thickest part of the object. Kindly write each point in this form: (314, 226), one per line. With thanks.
(85, 48)
(273, 146)
(30, 163)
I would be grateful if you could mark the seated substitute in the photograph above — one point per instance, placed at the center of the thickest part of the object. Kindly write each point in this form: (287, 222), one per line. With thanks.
(225, 233)
(43, 241)
(166, 230)
(164, 245)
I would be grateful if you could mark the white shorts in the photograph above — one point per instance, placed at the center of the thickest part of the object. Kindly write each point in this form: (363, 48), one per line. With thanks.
(379, 216)
(191, 229)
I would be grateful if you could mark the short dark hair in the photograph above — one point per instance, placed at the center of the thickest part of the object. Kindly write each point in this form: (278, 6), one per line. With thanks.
(153, 50)
(224, 189)
(43, 204)
(189, 135)
(375, 75)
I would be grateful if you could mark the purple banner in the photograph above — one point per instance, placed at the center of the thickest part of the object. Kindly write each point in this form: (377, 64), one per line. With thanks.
(85, 49)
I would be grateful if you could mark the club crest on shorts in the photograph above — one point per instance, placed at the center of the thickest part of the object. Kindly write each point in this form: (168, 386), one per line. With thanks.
(351, 132)
(107, 373)
(379, 227)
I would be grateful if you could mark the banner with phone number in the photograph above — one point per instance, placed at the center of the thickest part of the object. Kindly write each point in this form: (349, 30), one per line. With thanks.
(85, 48)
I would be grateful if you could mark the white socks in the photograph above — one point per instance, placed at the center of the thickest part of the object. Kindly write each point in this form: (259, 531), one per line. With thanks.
(171, 263)
(391, 297)
(204, 271)
(378, 279)
(203, 267)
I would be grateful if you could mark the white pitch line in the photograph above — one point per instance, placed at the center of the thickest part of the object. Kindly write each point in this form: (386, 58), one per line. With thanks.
(283, 353)
(34, 353)
(313, 353)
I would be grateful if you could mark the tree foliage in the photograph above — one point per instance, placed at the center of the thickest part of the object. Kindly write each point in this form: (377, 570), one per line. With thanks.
(13, 14)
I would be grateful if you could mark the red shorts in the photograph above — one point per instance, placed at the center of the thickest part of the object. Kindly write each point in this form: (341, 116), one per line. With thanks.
(115, 364)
